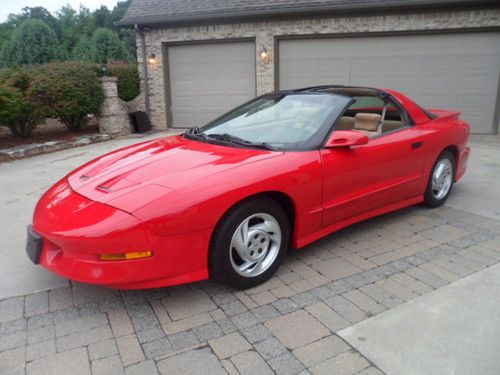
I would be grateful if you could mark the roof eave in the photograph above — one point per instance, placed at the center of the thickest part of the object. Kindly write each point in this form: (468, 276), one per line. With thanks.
(302, 11)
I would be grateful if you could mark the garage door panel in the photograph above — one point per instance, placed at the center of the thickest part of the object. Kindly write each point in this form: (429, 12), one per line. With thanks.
(473, 103)
(478, 84)
(403, 65)
(367, 64)
(323, 67)
(207, 80)
(452, 71)
(476, 63)
(432, 64)
(437, 84)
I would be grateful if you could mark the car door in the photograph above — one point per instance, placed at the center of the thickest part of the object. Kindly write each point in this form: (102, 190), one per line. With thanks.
(359, 179)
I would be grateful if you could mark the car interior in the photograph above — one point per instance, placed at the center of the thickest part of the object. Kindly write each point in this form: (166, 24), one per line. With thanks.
(369, 114)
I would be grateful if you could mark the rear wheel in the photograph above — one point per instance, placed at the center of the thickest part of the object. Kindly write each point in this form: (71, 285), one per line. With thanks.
(440, 180)
(249, 243)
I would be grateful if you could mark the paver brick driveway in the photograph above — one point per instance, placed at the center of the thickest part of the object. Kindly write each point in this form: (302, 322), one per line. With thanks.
(288, 325)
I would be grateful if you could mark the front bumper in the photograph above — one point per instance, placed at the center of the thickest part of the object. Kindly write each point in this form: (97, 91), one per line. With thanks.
(75, 230)
(34, 245)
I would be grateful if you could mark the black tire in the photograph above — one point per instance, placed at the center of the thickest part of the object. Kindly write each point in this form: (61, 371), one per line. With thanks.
(430, 199)
(220, 265)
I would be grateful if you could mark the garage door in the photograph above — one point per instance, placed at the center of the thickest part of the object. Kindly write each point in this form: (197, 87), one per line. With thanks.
(207, 80)
(452, 71)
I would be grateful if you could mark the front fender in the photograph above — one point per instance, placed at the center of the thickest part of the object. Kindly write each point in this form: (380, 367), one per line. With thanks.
(200, 206)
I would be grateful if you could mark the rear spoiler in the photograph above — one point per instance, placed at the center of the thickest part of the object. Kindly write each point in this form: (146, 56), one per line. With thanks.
(443, 114)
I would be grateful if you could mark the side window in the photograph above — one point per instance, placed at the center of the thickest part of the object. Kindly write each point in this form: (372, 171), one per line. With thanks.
(371, 104)
(371, 115)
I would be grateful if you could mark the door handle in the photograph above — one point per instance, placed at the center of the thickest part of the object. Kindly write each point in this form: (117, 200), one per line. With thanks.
(416, 145)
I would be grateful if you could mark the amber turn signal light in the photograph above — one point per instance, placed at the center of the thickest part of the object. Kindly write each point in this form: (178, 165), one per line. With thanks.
(126, 256)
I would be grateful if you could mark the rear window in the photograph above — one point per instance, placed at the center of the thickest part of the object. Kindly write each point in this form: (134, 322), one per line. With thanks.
(367, 102)
(428, 113)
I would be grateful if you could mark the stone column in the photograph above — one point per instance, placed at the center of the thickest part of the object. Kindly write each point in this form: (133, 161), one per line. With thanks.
(113, 118)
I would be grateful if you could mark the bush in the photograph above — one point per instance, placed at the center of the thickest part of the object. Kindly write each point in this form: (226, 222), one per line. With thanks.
(20, 110)
(33, 42)
(70, 90)
(12, 112)
(128, 80)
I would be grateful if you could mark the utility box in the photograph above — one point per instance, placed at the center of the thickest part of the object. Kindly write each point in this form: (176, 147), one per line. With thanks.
(140, 122)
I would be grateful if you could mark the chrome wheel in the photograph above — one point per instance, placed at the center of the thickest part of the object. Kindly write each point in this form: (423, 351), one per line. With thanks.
(255, 245)
(442, 178)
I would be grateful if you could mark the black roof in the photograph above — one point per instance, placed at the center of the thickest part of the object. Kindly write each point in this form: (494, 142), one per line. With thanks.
(154, 12)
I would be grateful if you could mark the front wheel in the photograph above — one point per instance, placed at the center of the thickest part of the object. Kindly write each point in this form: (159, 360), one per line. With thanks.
(440, 181)
(249, 243)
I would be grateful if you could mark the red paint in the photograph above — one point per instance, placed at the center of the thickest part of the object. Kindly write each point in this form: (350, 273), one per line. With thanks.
(167, 196)
(349, 138)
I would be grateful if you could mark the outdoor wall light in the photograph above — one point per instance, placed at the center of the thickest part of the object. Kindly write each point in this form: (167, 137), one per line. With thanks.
(264, 55)
(103, 70)
(152, 58)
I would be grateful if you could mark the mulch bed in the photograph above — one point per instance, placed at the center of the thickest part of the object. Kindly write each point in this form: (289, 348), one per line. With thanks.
(52, 130)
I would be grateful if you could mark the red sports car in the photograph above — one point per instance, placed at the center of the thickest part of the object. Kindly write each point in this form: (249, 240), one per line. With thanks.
(228, 199)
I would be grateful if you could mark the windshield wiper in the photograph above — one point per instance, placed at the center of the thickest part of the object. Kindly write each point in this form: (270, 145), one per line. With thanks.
(239, 141)
(194, 131)
(228, 138)
(197, 133)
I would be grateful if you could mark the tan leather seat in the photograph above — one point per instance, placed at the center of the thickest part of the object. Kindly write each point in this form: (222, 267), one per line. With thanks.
(390, 125)
(368, 123)
(345, 123)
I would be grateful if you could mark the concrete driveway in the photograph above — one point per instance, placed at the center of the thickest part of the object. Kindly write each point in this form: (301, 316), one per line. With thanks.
(22, 184)
(479, 190)
(320, 313)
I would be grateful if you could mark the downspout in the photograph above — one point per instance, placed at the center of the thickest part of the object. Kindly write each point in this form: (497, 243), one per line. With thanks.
(144, 69)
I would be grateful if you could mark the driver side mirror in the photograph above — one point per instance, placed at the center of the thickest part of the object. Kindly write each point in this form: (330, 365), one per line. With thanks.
(346, 138)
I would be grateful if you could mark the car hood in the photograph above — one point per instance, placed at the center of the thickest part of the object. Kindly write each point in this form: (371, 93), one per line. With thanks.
(156, 168)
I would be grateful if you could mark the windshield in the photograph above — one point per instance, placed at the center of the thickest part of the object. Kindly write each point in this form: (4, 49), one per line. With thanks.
(279, 121)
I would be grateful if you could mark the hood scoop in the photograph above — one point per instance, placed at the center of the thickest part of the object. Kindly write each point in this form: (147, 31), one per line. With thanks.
(116, 183)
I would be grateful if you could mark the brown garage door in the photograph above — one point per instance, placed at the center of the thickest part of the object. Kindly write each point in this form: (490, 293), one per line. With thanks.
(452, 71)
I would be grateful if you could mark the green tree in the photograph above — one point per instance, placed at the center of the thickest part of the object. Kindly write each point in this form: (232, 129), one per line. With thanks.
(6, 55)
(30, 13)
(33, 42)
(69, 26)
(6, 30)
(86, 21)
(102, 17)
(118, 12)
(108, 46)
(127, 35)
(84, 50)
(70, 31)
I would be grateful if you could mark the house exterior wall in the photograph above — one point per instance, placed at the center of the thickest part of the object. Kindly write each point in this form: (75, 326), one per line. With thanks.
(265, 33)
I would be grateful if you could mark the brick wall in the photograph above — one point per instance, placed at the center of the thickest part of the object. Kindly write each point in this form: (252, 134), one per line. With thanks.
(265, 32)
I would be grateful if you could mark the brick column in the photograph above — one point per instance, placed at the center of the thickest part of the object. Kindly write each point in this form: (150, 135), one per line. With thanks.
(264, 68)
